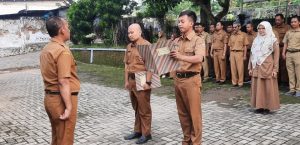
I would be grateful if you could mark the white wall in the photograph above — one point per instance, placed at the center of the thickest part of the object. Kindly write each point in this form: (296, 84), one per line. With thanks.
(17, 36)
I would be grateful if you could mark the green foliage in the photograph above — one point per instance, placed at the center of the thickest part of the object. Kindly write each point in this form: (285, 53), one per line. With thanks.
(83, 13)
(173, 13)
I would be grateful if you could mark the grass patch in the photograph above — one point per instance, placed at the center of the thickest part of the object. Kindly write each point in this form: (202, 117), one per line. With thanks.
(101, 45)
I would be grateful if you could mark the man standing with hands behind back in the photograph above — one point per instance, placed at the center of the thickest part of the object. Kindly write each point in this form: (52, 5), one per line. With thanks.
(190, 53)
(61, 82)
(140, 99)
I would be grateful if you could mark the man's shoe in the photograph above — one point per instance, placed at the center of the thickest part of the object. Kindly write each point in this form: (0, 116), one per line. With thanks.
(298, 94)
(143, 139)
(133, 136)
(217, 82)
(221, 83)
(290, 93)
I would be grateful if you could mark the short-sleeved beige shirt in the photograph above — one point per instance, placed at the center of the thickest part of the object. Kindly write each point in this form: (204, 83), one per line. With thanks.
(57, 62)
(292, 38)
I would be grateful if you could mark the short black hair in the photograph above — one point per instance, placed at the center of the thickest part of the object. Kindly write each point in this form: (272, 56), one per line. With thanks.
(296, 17)
(53, 25)
(222, 23)
(190, 14)
(250, 23)
(199, 24)
(280, 15)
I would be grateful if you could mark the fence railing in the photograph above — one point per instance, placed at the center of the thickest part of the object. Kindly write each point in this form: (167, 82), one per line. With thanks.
(98, 49)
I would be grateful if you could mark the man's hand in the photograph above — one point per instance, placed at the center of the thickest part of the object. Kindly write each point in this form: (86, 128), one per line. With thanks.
(223, 57)
(146, 87)
(283, 56)
(250, 72)
(66, 114)
(245, 58)
(126, 85)
(175, 55)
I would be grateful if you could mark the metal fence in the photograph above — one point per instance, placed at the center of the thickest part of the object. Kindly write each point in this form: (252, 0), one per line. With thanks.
(102, 56)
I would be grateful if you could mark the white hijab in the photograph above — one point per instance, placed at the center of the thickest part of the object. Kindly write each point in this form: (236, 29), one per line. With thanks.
(262, 46)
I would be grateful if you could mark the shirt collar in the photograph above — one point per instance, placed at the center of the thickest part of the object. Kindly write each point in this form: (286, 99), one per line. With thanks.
(295, 30)
(189, 36)
(60, 43)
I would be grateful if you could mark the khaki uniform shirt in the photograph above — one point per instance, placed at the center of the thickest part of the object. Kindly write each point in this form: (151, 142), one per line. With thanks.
(132, 59)
(238, 41)
(251, 37)
(206, 37)
(281, 30)
(292, 38)
(190, 45)
(57, 62)
(219, 39)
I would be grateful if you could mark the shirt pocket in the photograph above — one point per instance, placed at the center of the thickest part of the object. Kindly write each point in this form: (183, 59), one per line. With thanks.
(189, 51)
(139, 60)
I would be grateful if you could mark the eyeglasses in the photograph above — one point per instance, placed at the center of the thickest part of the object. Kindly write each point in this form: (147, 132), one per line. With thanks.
(234, 27)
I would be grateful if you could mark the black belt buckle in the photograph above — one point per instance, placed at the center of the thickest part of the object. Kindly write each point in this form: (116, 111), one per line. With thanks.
(186, 75)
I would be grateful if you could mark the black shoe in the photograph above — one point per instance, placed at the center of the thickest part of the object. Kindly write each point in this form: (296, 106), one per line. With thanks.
(260, 111)
(143, 139)
(133, 136)
(266, 111)
(221, 83)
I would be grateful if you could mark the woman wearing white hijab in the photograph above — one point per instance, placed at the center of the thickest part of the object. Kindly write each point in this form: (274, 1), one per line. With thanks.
(263, 67)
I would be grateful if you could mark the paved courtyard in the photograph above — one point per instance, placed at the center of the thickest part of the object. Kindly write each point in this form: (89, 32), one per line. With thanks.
(105, 115)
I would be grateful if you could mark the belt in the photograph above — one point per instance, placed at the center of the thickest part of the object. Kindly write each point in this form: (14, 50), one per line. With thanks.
(218, 49)
(186, 74)
(237, 50)
(48, 92)
(131, 75)
(293, 50)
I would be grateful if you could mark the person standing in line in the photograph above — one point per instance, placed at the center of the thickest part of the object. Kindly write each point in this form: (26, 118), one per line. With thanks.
(251, 35)
(229, 30)
(190, 53)
(61, 82)
(140, 100)
(161, 37)
(281, 28)
(212, 29)
(238, 47)
(218, 52)
(199, 29)
(263, 67)
(291, 52)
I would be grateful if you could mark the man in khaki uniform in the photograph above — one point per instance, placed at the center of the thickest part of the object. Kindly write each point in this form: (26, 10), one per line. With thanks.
(199, 29)
(251, 34)
(238, 48)
(212, 28)
(291, 52)
(281, 28)
(61, 82)
(229, 30)
(190, 53)
(218, 52)
(140, 99)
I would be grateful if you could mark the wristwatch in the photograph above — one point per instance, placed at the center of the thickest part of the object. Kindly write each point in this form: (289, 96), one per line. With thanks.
(148, 83)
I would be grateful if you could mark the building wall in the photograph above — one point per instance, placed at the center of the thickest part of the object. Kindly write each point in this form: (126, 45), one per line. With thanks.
(22, 35)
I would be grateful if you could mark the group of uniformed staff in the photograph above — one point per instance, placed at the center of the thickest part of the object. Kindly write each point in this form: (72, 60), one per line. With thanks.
(58, 69)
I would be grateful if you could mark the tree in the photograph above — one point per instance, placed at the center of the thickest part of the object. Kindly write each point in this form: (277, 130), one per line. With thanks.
(206, 10)
(158, 9)
(83, 13)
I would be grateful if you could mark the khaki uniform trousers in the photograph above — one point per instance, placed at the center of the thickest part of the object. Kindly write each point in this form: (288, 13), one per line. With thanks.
(205, 68)
(219, 65)
(188, 101)
(237, 67)
(293, 68)
(140, 101)
(62, 130)
(283, 74)
(246, 72)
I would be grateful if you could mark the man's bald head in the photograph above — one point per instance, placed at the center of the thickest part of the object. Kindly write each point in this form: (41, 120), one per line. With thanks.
(134, 32)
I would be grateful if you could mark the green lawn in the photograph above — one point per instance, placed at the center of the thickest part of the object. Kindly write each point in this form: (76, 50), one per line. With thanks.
(114, 77)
